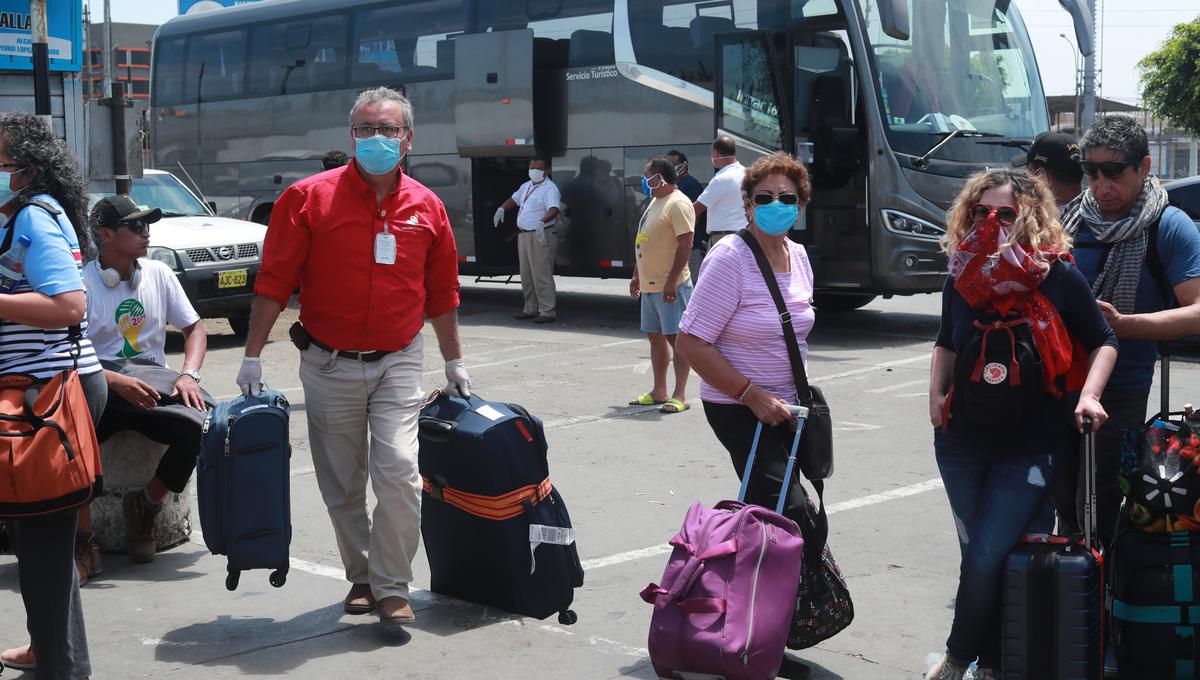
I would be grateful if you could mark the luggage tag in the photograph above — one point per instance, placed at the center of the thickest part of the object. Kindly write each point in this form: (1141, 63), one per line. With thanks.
(385, 247)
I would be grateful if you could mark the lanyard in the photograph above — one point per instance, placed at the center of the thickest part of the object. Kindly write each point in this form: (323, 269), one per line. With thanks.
(532, 188)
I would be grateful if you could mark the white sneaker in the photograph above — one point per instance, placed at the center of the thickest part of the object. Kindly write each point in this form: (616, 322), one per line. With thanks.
(945, 670)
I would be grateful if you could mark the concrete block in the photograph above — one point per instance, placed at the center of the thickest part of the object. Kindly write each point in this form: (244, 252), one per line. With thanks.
(129, 461)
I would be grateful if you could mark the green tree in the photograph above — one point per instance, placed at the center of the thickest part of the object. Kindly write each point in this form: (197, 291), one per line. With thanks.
(1170, 78)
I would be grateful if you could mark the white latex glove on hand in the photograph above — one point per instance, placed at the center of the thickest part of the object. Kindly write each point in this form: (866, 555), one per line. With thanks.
(458, 383)
(249, 377)
(498, 217)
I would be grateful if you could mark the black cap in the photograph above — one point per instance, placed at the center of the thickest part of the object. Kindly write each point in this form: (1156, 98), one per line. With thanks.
(1057, 152)
(111, 211)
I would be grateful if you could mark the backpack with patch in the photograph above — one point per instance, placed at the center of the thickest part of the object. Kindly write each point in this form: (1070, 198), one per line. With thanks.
(998, 374)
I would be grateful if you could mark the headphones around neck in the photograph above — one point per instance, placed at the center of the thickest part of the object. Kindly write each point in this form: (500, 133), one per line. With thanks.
(112, 278)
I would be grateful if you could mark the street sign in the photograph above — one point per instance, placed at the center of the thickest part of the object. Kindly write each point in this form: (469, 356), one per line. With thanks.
(64, 19)
(195, 6)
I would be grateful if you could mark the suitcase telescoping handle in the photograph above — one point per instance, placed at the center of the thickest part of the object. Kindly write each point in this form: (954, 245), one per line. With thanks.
(1089, 485)
(1164, 387)
(801, 414)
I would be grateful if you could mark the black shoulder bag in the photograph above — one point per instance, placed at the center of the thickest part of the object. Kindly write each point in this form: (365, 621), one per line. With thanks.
(823, 605)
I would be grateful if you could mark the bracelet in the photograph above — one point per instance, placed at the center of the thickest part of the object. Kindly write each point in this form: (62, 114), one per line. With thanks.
(745, 390)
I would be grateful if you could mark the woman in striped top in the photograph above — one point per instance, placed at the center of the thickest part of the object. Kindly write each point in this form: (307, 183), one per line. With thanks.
(43, 197)
(731, 335)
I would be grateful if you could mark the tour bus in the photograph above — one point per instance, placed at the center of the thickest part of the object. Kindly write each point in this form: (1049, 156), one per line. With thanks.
(891, 103)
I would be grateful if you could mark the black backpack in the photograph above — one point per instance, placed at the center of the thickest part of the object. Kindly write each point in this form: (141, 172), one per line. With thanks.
(998, 374)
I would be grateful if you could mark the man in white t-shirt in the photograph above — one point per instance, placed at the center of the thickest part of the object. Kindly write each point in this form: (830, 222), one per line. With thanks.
(722, 198)
(130, 303)
(537, 243)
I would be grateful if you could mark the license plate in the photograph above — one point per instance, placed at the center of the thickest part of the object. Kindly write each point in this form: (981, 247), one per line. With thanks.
(232, 279)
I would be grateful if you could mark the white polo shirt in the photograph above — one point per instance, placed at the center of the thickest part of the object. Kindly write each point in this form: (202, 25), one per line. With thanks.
(722, 200)
(534, 200)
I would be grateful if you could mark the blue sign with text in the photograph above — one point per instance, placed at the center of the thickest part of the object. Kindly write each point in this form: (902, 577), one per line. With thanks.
(194, 6)
(64, 27)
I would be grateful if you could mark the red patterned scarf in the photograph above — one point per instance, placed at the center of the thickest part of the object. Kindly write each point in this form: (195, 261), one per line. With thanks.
(1005, 278)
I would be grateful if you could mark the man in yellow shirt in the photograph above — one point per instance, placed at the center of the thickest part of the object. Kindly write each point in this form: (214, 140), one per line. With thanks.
(662, 279)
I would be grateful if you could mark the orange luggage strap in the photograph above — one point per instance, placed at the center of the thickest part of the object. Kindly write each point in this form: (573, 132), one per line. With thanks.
(496, 508)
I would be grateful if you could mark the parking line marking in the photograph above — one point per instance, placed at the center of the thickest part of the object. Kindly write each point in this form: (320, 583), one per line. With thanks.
(899, 386)
(869, 369)
(543, 355)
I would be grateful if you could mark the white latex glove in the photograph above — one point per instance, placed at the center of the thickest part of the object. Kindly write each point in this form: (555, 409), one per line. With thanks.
(541, 232)
(498, 217)
(458, 383)
(249, 378)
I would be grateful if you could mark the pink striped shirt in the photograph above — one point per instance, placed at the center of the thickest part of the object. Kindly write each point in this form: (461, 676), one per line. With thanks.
(732, 309)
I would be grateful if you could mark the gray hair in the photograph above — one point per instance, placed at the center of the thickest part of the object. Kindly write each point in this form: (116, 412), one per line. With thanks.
(1119, 133)
(380, 95)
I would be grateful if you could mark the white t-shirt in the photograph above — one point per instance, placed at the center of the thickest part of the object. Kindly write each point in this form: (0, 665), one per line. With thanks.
(722, 200)
(534, 200)
(125, 322)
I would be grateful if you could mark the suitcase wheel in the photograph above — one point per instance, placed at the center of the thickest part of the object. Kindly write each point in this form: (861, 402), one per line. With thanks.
(278, 578)
(231, 579)
(567, 617)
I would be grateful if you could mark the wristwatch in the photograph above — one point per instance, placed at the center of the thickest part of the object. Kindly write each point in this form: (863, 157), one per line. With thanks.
(192, 373)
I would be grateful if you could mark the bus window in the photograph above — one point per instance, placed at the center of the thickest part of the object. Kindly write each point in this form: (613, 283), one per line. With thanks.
(216, 62)
(168, 72)
(298, 56)
(410, 42)
(749, 104)
(584, 26)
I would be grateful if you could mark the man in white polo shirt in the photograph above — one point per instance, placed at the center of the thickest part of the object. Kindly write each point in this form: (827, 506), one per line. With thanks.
(722, 198)
(537, 243)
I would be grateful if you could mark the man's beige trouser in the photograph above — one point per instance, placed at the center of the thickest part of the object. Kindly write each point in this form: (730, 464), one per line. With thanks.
(537, 271)
(362, 419)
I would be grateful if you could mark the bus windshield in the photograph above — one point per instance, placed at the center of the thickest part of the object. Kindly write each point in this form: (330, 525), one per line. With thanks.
(966, 66)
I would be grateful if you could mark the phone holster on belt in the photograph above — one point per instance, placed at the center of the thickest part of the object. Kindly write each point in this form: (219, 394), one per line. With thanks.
(300, 337)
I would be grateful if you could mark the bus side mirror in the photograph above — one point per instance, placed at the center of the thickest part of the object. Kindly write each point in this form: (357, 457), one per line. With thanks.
(894, 14)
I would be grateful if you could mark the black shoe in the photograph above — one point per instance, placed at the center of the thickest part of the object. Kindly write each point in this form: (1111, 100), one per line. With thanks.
(544, 319)
(523, 316)
(794, 668)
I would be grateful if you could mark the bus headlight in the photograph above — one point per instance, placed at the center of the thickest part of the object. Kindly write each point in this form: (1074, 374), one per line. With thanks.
(913, 227)
(166, 256)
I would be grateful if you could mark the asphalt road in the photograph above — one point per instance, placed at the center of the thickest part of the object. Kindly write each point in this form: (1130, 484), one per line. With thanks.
(628, 474)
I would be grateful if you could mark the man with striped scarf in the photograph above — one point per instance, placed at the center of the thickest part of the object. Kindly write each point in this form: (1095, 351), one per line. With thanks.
(1146, 294)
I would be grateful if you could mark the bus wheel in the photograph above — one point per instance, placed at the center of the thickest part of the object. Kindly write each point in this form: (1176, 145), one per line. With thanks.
(840, 302)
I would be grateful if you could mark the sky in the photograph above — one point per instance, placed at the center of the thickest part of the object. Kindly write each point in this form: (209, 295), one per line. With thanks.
(1127, 30)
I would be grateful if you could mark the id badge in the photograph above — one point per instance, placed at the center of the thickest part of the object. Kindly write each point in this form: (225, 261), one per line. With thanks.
(385, 248)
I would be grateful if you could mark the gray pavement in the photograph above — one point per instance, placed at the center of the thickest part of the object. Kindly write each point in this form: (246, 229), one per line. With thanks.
(628, 475)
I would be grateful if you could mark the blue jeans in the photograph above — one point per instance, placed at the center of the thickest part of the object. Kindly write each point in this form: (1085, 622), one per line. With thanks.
(995, 498)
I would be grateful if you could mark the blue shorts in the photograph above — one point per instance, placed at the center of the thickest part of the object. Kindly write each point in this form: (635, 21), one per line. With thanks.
(663, 317)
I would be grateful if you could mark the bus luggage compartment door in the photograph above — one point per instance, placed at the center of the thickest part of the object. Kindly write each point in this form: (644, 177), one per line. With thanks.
(493, 109)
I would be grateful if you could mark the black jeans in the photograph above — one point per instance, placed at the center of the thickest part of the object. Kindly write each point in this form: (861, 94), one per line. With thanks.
(45, 550)
(734, 426)
(1126, 411)
(181, 436)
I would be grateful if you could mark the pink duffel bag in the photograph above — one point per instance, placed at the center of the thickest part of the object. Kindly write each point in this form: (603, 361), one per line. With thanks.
(729, 590)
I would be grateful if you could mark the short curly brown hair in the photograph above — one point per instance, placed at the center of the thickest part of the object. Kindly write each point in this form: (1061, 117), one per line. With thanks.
(778, 164)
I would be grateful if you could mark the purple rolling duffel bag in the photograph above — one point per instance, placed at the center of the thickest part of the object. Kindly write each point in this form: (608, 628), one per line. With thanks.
(729, 591)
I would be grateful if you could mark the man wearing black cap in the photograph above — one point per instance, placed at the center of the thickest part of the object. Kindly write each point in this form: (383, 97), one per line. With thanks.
(1055, 156)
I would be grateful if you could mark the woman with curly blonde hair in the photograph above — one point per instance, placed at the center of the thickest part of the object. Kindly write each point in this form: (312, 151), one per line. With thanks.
(1001, 415)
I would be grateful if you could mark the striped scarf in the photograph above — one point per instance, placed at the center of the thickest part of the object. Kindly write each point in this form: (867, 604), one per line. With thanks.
(1128, 237)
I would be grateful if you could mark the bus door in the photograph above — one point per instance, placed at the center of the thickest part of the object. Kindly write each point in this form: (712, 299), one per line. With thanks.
(494, 124)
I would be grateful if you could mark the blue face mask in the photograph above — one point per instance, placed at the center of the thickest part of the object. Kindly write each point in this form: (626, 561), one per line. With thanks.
(775, 218)
(647, 189)
(6, 193)
(378, 155)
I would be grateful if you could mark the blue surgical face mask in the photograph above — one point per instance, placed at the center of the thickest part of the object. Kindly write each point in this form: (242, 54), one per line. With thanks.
(6, 192)
(647, 189)
(775, 218)
(378, 155)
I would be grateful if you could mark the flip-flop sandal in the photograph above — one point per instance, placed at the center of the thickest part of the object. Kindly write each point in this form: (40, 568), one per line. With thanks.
(673, 405)
(646, 400)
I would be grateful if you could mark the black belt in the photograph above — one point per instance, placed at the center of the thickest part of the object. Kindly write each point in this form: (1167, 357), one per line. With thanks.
(373, 355)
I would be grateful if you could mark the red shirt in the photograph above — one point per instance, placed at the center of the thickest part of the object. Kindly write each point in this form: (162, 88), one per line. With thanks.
(322, 239)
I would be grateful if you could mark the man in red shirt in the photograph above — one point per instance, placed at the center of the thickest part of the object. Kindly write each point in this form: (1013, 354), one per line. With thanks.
(373, 255)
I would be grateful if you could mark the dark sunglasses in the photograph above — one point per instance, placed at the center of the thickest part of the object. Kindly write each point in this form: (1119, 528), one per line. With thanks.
(139, 227)
(982, 211)
(767, 199)
(1111, 169)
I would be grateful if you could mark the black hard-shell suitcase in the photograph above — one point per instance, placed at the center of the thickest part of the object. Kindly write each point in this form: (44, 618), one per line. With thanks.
(1051, 602)
(496, 531)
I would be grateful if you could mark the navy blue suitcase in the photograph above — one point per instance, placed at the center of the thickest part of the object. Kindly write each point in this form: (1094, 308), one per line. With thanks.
(496, 531)
(1051, 605)
(242, 479)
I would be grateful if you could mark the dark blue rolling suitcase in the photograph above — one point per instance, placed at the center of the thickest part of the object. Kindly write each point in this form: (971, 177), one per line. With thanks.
(495, 529)
(1051, 605)
(242, 480)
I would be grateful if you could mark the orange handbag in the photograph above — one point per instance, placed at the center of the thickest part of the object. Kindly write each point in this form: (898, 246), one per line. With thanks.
(49, 456)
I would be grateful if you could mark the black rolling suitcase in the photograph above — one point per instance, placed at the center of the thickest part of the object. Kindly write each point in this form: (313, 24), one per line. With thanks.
(1051, 604)
(496, 531)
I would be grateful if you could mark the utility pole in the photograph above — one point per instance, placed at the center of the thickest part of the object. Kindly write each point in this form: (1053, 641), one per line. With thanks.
(106, 84)
(1089, 75)
(41, 60)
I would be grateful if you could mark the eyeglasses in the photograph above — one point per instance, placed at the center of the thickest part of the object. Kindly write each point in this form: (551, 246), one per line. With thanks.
(1111, 169)
(366, 131)
(1003, 213)
(139, 227)
(767, 199)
